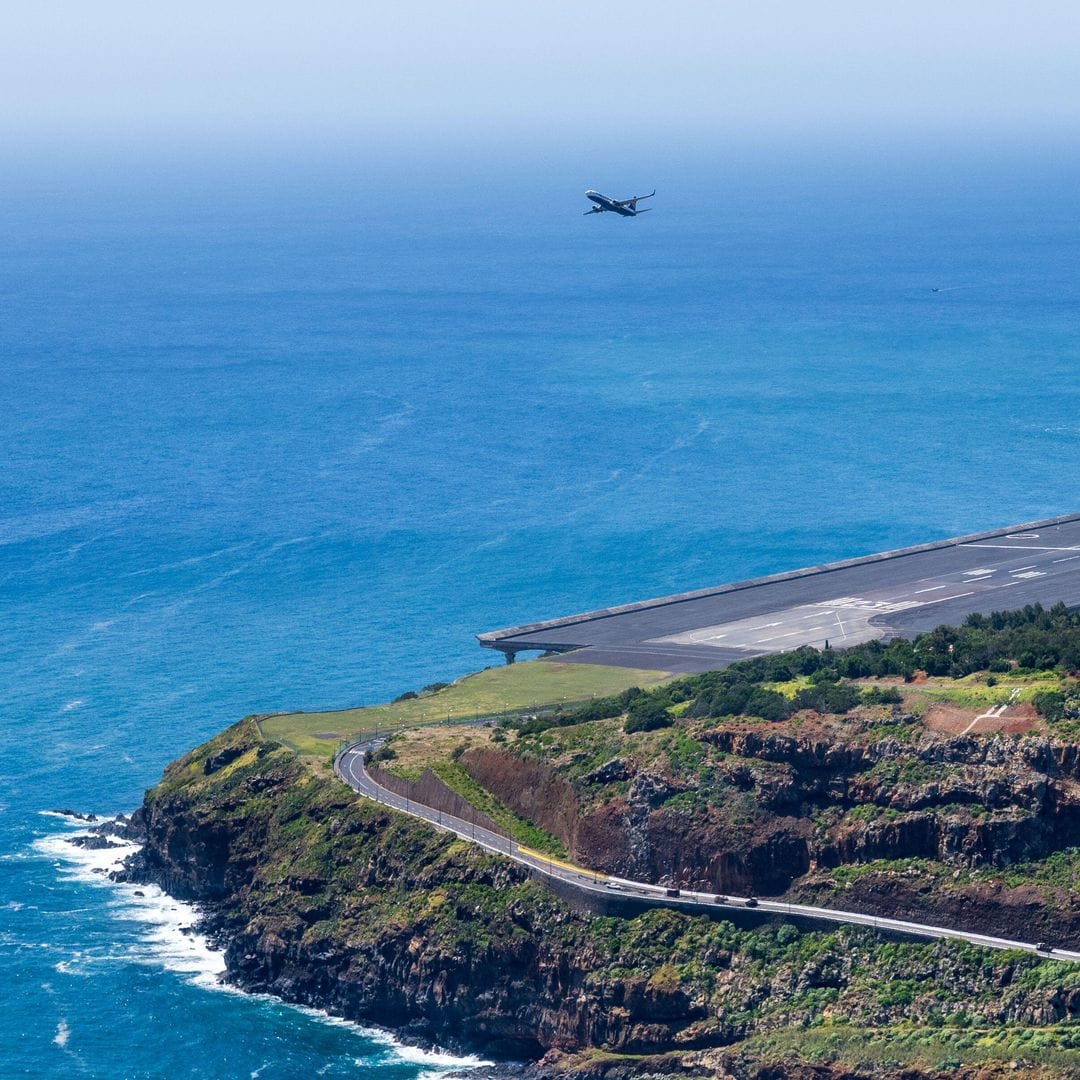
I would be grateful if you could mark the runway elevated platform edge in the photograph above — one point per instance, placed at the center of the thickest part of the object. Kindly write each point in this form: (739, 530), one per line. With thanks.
(892, 593)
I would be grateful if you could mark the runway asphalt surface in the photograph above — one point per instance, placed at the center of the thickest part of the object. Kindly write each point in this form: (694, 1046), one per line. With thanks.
(349, 766)
(900, 593)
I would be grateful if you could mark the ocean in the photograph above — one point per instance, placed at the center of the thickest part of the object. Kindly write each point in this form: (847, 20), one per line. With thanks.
(286, 430)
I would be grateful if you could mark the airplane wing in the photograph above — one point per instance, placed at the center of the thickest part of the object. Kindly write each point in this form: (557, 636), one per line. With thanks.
(627, 202)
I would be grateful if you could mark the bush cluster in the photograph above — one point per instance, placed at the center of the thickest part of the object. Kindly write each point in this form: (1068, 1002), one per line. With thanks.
(1032, 638)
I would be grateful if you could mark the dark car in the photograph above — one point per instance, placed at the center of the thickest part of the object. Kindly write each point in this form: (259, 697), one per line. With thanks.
(720, 899)
(751, 901)
(671, 892)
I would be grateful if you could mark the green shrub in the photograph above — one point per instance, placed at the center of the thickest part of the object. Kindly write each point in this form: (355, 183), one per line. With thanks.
(647, 714)
(882, 695)
(1050, 704)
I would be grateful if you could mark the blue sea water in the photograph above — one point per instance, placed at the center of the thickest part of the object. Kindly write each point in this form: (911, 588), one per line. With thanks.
(286, 432)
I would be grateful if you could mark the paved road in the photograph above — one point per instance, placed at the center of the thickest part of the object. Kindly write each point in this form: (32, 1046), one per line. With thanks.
(893, 594)
(350, 767)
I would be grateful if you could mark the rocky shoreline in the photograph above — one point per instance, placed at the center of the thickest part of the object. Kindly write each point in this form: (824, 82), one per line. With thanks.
(324, 900)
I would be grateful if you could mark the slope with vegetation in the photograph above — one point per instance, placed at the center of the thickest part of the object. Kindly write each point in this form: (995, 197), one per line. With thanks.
(327, 900)
(823, 773)
(830, 775)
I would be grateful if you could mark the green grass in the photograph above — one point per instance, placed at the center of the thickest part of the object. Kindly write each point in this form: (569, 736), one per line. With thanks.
(943, 1048)
(521, 686)
(454, 776)
(973, 693)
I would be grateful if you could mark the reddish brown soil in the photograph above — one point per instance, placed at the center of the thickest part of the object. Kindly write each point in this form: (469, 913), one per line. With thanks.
(954, 719)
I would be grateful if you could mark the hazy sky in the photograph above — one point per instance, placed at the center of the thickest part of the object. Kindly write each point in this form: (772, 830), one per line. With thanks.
(122, 67)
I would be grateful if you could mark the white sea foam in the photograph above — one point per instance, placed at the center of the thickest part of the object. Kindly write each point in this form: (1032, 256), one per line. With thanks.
(167, 938)
(437, 1060)
(169, 941)
(66, 818)
(63, 1033)
(75, 703)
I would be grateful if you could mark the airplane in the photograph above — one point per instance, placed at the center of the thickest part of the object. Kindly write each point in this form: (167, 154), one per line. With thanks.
(625, 207)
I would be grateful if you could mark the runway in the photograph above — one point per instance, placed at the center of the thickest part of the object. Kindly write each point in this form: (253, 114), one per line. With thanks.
(897, 593)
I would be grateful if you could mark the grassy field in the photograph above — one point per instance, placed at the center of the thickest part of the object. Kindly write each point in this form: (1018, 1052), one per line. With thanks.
(521, 686)
(972, 691)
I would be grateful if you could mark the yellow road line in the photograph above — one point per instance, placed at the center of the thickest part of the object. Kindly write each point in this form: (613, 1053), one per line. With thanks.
(558, 862)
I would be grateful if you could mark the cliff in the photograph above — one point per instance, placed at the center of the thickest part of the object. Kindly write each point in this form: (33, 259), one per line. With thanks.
(326, 900)
(740, 806)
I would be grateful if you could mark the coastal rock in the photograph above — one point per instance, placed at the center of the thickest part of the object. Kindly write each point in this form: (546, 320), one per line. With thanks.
(75, 815)
(330, 901)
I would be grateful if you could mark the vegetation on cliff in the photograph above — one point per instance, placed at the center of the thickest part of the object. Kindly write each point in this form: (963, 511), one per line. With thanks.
(867, 783)
(325, 899)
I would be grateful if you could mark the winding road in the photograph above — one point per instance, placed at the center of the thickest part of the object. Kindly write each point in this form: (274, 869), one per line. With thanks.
(349, 766)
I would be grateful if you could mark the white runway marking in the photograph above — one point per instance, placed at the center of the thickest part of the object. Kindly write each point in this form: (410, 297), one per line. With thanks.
(1030, 574)
(1068, 558)
(1019, 568)
(951, 596)
(933, 588)
(1013, 547)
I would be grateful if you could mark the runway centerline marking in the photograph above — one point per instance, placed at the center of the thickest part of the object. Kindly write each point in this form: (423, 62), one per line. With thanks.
(1019, 568)
(1068, 559)
(933, 588)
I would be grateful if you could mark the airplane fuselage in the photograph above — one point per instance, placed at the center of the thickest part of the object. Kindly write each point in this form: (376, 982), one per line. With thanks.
(604, 203)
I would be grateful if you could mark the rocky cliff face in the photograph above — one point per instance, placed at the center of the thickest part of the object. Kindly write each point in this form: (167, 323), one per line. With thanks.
(326, 900)
(760, 807)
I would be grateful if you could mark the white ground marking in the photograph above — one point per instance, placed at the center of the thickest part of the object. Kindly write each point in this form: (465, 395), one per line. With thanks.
(852, 614)
(776, 637)
(1069, 559)
(943, 599)
(978, 570)
(1028, 547)
(1030, 574)
(1019, 568)
(994, 712)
